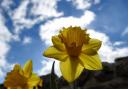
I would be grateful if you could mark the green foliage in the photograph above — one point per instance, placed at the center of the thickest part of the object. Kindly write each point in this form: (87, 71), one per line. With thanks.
(53, 82)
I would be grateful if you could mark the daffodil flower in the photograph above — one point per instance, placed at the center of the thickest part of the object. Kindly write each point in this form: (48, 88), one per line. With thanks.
(20, 78)
(75, 50)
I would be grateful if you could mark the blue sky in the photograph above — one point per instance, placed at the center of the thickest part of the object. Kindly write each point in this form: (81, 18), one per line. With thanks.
(26, 27)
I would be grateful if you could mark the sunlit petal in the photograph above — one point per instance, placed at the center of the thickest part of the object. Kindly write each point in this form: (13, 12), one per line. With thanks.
(58, 43)
(88, 50)
(94, 44)
(27, 69)
(71, 69)
(52, 52)
(17, 67)
(34, 80)
(90, 62)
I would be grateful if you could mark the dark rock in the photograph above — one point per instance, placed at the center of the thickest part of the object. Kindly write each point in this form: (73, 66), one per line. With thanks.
(117, 83)
(121, 59)
(113, 76)
(106, 74)
(102, 86)
(121, 67)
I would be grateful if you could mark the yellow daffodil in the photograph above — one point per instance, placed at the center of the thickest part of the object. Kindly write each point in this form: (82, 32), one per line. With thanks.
(75, 50)
(20, 78)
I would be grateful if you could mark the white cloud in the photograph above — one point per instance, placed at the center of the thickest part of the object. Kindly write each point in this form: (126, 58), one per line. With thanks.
(5, 37)
(84, 4)
(47, 66)
(19, 17)
(45, 8)
(97, 1)
(52, 27)
(27, 40)
(4, 64)
(42, 10)
(6, 4)
(4, 48)
(15, 37)
(1, 73)
(125, 32)
(118, 43)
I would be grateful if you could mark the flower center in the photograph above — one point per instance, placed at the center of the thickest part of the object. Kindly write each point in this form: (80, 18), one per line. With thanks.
(15, 79)
(74, 38)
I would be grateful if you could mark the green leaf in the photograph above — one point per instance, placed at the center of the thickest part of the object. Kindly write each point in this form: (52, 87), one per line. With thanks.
(53, 82)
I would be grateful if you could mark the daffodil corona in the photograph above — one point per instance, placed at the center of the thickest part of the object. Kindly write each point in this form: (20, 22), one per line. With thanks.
(75, 50)
(20, 78)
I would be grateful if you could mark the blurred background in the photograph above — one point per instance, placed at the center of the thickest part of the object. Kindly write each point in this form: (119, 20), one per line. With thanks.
(26, 28)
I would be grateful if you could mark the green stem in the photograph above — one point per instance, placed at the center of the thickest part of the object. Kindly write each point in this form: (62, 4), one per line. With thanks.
(75, 85)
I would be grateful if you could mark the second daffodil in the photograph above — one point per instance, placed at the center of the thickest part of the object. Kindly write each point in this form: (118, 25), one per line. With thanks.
(75, 50)
(20, 78)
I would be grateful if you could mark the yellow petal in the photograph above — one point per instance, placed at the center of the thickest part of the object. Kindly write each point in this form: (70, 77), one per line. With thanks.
(71, 69)
(88, 50)
(94, 44)
(58, 43)
(91, 62)
(52, 52)
(40, 83)
(27, 69)
(34, 80)
(17, 67)
(30, 88)
(64, 31)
